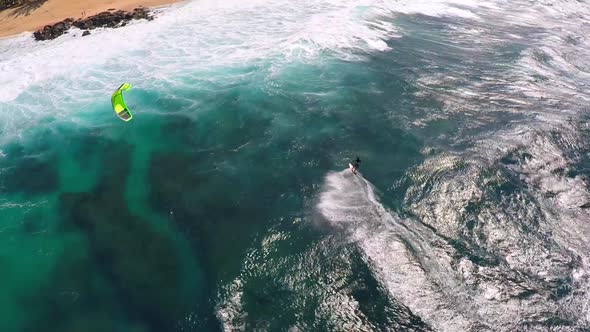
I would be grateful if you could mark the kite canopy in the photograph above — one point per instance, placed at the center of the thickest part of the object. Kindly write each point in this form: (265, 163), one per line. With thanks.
(119, 103)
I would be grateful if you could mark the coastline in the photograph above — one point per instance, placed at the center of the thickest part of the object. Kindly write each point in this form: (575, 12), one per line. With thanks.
(30, 18)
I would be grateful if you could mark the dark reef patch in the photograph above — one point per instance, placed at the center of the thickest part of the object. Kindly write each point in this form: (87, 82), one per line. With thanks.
(28, 170)
(208, 208)
(31, 175)
(140, 262)
(75, 298)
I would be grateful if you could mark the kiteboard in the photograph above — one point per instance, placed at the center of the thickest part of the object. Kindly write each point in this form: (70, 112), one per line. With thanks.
(119, 105)
(351, 167)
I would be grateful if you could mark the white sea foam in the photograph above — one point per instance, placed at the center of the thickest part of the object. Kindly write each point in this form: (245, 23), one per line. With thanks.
(419, 267)
(230, 312)
(453, 8)
(186, 42)
(192, 36)
(543, 170)
(413, 270)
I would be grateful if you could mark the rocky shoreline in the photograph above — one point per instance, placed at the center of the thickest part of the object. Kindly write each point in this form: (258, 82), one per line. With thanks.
(108, 19)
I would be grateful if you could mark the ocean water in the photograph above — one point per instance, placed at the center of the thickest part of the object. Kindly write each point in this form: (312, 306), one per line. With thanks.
(226, 203)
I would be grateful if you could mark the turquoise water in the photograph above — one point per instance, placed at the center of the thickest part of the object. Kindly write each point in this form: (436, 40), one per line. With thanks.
(225, 204)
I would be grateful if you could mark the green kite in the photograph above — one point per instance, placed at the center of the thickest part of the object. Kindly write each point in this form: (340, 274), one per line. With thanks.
(119, 103)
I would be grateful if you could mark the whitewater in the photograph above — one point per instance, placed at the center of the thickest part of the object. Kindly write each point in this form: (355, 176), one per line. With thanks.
(225, 203)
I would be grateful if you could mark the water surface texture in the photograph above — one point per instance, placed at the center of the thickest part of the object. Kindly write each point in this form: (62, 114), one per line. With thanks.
(226, 205)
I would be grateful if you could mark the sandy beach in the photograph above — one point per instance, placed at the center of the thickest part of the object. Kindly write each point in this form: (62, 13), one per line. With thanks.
(38, 13)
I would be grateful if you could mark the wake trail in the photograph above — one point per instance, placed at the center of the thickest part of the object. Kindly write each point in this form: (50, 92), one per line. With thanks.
(411, 261)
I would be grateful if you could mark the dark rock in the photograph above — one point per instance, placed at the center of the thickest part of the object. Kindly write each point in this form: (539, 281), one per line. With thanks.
(85, 33)
(106, 19)
(52, 31)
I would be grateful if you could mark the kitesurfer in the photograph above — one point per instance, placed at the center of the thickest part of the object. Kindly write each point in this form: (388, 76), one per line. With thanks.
(355, 165)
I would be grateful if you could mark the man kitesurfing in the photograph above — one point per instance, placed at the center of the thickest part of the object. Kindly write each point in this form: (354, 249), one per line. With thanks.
(354, 165)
